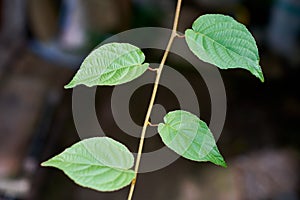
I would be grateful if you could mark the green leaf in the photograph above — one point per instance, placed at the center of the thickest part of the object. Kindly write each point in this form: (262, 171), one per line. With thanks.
(110, 64)
(98, 163)
(224, 42)
(190, 137)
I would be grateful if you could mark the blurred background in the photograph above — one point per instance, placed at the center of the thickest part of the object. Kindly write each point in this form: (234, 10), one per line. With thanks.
(42, 43)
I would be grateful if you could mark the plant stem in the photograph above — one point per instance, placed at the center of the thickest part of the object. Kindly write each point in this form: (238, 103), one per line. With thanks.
(146, 122)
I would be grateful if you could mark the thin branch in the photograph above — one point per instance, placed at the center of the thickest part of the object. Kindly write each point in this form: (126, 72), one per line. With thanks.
(163, 61)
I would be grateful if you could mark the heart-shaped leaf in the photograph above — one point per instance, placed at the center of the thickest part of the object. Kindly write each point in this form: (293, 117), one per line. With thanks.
(98, 163)
(224, 42)
(190, 137)
(110, 64)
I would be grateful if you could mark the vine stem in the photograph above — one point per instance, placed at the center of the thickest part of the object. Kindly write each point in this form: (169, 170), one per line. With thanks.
(158, 75)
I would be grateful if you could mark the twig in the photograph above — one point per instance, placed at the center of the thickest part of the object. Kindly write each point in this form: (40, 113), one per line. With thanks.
(163, 61)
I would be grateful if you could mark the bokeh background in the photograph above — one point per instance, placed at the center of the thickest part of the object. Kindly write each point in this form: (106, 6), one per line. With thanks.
(42, 43)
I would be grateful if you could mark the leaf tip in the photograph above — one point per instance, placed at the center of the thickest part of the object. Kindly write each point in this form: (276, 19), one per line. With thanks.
(260, 75)
(69, 86)
(257, 72)
(52, 162)
(261, 78)
(45, 164)
(224, 164)
(220, 162)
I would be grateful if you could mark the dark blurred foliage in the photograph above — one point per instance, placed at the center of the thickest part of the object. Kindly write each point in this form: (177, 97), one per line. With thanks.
(42, 44)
